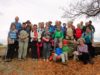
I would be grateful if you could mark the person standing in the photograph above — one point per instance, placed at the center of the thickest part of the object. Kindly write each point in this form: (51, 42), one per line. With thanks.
(23, 42)
(12, 37)
(46, 36)
(89, 40)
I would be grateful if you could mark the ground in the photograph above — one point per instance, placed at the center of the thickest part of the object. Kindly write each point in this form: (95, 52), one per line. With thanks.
(30, 67)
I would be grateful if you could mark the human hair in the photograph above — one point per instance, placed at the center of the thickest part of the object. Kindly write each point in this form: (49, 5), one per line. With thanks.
(81, 39)
(12, 24)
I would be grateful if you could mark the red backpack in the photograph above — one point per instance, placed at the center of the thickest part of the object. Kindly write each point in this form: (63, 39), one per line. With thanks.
(78, 33)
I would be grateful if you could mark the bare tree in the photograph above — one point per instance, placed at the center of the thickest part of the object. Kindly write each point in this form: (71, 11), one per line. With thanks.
(88, 8)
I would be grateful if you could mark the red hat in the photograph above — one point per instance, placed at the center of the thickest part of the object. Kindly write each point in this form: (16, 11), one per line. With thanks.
(65, 42)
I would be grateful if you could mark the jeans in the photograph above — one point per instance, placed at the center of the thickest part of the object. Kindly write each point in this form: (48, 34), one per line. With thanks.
(46, 50)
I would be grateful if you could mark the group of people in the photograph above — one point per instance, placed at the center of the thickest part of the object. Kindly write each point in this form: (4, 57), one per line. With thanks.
(51, 42)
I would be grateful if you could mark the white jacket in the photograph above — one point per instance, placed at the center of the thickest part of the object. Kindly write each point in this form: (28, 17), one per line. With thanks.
(32, 36)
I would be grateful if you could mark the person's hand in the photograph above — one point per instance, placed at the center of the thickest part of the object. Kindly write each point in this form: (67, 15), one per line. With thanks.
(35, 37)
(47, 40)
(93, 45)
(75, 42)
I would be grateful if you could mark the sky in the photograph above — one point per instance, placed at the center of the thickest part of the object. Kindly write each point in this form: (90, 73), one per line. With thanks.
(35, 11)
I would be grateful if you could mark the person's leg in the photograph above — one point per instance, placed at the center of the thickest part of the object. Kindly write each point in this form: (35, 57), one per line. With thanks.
(12, 51)
(89, 49)
(9, 51)
(80, 57)
(20, 49)
(41, 50)
(48, 50)
(35, 56)
(16, 48)
(55, 43)
(63, 58)
(92, 51)
(60, 40)
(84, 58)
(75, 57)
(34, 50)
(54, 57)
(66, 56)
(44, 50)
(25, 49)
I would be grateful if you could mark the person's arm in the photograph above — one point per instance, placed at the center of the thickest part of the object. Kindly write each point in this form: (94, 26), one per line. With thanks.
(85, 49)
(53, 36)
(62, 35)
(92, 39)
(93, 28)
(20, 26)
(8, 37)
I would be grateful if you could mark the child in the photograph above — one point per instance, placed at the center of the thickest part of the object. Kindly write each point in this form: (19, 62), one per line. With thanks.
(65, 50)
(23, 42)
(35, 37)
(46, 36)
(12, 37)
(59, 54)
(78, 32)
(82, 51)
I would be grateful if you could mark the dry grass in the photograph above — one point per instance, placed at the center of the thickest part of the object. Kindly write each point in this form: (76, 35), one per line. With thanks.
(30, 67)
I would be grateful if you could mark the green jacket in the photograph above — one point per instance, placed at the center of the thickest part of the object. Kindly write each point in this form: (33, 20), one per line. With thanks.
(65, 49)
(58, 34)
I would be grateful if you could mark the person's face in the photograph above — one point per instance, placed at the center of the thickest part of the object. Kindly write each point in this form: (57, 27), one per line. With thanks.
(47, 24)
(69, 25)
(58, 27)
(58, 23)
(42, 25)
(50, 23)
(81, 42)
(81, 22)
(64, 25)
(46, 28)
(86, 24)
(24, 26)
(88, 30)
(78, 26)
(13, 27)
(90, 23)
(16, 19)
(35, 27)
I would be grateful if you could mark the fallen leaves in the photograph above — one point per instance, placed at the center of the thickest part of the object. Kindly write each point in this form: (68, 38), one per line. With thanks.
(30, 67)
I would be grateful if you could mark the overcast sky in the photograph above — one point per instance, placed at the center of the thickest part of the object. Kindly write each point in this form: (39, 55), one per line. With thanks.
(35, 11)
